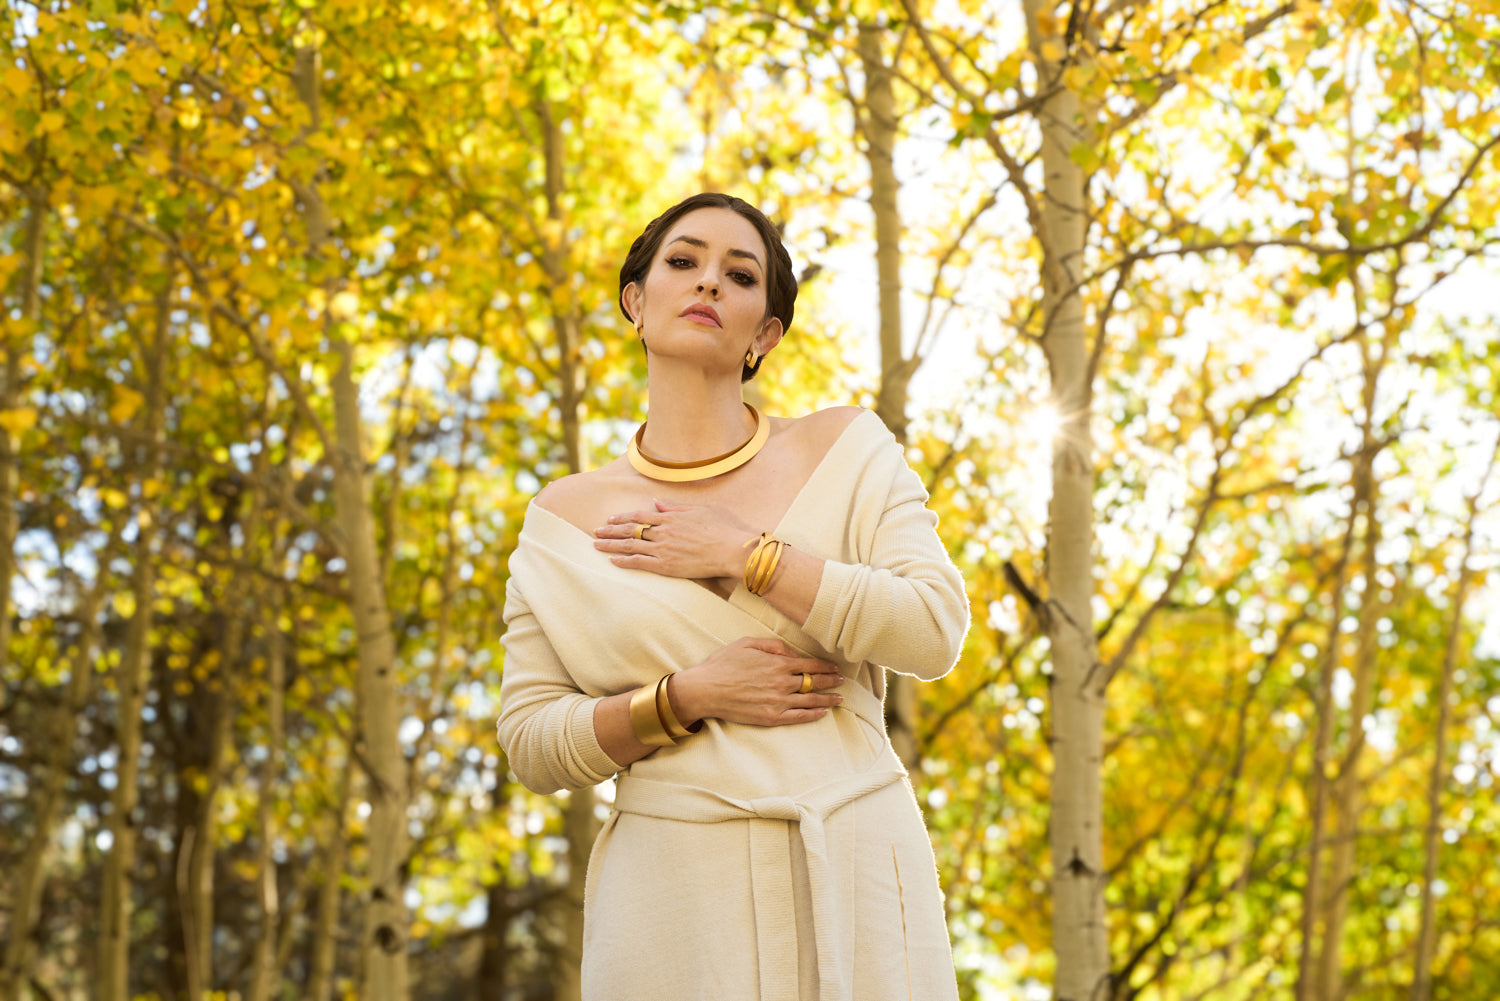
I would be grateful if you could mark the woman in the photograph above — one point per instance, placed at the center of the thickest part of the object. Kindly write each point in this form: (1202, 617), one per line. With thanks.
(711, 618)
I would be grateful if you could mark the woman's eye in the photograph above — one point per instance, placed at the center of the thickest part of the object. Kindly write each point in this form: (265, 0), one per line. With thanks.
(679, 262)
(743, 277)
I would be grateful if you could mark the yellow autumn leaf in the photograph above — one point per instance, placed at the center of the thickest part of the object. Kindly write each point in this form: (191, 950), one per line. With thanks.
(157, 162)
(189, 116)
(18, 419)
(1051, 51)
(16, 80)
(127, 403)
(113, 498)
(316, 301)
(1078, 78)
(50, 121)
(344, 305)
(124, 602)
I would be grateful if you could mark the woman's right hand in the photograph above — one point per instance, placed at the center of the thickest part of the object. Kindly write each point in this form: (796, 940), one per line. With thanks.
(755, 681)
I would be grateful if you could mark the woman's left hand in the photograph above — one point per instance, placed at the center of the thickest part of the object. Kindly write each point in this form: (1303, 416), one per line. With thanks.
(678, 540)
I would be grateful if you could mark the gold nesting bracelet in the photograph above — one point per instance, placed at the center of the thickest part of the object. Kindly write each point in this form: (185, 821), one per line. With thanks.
(652, 718)
(668, 718)
(646, 721)
(762, 563)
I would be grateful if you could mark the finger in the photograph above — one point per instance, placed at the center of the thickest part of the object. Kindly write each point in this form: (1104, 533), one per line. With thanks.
(791, 716)
(827, 680)
(820, 689)
(770, 644)
(664, 506)
(808, 665)
(632, 517)
(624, 530)
(816, 700)
(635, 561)
(621, 544)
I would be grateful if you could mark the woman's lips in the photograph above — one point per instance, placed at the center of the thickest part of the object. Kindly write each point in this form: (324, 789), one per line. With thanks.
(701, 313)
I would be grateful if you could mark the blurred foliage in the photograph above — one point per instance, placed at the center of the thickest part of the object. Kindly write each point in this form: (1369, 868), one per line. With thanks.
(1281, 196)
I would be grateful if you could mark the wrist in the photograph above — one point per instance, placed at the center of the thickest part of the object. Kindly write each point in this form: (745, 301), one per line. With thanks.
(734, 559)
(686, 698)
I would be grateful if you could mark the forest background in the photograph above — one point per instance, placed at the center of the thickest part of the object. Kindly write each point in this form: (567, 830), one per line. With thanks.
(1185, 312)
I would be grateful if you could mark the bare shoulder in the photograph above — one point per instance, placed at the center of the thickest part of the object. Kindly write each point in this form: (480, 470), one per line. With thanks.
(576, 497)
(821, 428)
(557, 495)
(803, 442)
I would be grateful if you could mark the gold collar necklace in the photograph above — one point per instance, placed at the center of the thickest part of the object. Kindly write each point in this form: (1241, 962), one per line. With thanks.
(702, 469)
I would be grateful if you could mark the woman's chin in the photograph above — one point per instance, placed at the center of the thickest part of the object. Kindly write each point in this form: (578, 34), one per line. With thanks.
(708, 357)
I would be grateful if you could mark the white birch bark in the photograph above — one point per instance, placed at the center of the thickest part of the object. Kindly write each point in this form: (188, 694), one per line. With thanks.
(878, 123)
(1079, 932)
(383, 944)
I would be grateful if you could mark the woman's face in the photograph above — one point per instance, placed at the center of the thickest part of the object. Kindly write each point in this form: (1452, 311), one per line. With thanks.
(705, 292)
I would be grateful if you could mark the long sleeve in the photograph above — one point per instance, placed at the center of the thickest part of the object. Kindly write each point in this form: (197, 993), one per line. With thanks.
(546, 724)
(902, 604)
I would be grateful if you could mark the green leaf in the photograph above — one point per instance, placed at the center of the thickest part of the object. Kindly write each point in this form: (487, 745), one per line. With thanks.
(1086, 156)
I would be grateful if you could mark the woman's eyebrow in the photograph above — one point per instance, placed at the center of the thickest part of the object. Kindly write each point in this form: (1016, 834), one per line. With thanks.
(694, 241)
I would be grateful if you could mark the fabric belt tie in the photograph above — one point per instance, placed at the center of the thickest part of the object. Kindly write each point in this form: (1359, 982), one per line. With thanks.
(771, 864)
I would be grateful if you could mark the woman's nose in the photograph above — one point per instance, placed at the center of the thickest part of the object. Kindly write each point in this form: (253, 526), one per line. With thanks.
(710, 285)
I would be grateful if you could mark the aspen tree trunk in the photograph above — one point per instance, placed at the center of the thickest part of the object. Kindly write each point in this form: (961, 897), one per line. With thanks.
(33, 249)
(56, 756)
(1426, 944)
(1079, 933)
(263, 969)
(113, 965)
(1312, 893)
(566, 321)
(383, 946)
(1348, 788)
(878, 122)
(324, 948)
(202, 849)
(19, 946)
(492, 972)
(580, 825)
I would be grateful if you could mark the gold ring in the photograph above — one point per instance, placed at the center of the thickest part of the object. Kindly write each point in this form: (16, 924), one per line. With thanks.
(806, 685)
(640, 533)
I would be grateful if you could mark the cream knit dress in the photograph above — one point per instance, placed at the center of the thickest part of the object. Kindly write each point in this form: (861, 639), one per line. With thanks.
(748, 863)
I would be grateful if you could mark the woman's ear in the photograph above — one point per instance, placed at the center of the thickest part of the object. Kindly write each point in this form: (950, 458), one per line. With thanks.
(631, 297)
(769, 336)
